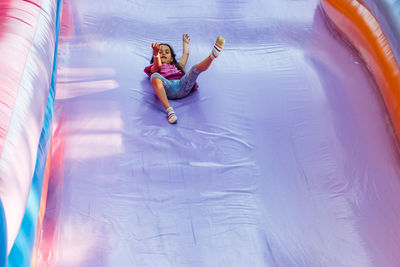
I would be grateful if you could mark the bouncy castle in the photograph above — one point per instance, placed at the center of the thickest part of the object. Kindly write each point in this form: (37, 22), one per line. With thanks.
(287, 153)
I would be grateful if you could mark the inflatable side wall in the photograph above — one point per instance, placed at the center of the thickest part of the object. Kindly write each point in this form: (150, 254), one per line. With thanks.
(28, 36)
(387, 12)
(356, 23)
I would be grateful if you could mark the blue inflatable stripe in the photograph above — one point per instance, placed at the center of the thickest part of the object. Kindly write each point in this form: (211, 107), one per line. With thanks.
(3, 236)
(21, 253)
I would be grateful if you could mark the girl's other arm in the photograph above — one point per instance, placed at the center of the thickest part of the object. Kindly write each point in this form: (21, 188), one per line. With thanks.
(185, 55)
(157, 60)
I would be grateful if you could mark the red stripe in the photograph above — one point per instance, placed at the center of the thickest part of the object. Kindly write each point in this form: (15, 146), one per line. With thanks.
(33, 3)
(18, 22)
(218, 46)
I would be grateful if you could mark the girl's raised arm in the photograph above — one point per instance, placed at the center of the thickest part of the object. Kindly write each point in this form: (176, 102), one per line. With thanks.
(157, 60)
(185, 55)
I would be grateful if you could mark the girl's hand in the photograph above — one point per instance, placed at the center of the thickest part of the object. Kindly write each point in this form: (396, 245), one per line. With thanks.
(156, 48)
(185, 38)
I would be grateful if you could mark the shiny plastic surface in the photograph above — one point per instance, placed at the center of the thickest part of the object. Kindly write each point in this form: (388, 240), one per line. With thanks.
(23, 252)
(388, 14)
(27, 38)
(284, 156)
(359, 26)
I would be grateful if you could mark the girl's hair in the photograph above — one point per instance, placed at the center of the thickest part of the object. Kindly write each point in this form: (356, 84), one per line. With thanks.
(174, 62)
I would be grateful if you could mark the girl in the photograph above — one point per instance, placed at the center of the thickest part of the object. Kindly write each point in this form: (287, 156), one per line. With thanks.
(168, 76)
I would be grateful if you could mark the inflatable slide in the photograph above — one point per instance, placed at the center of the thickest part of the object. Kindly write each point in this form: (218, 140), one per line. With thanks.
(286, 154)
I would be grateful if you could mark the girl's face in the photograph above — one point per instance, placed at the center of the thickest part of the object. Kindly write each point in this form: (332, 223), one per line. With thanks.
(165, 54)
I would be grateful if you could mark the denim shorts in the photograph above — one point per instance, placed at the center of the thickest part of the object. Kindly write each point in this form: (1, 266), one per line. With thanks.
(178, 88)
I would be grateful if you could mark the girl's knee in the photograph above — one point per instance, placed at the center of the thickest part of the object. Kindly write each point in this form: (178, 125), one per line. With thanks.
(195, 69)
(156, 76)
(156, 81)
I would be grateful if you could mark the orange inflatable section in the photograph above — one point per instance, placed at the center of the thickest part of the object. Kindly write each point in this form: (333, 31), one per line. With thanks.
(359, 26)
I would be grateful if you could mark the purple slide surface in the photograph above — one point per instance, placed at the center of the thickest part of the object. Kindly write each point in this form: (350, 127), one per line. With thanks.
(284, 156)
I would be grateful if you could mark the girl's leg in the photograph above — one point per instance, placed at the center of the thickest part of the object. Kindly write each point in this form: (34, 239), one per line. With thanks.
(160, 92)
(205, 64)
(188, 81)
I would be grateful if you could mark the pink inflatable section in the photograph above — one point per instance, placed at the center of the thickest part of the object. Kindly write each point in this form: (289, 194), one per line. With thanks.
(27, 42)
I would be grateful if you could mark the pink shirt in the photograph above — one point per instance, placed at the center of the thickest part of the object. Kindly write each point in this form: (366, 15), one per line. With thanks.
(168, 71)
